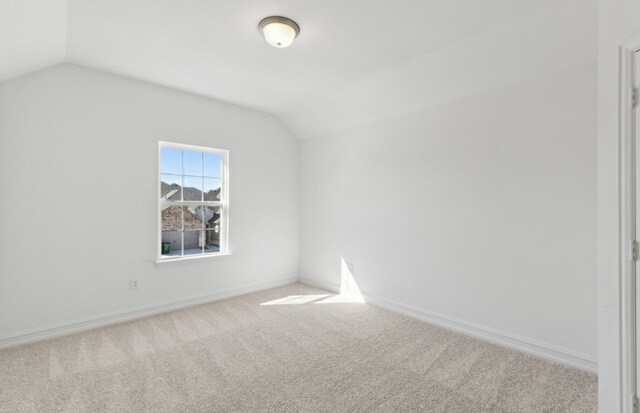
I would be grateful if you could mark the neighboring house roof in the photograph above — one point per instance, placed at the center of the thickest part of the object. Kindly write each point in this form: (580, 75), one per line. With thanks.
(214, 220)
(213, 195)
(171, 192)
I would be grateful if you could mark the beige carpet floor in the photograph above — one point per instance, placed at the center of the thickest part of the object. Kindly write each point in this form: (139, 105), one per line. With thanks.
(302, 350)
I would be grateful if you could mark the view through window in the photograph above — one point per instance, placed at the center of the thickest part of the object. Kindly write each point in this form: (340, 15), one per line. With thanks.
(192, 200)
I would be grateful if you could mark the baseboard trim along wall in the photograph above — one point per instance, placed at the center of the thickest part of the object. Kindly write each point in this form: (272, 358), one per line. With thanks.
(534, 347)
(116, 317)
(544, 350)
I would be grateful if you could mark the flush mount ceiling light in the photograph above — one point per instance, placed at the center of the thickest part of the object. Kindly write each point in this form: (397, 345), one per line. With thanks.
(279, 31)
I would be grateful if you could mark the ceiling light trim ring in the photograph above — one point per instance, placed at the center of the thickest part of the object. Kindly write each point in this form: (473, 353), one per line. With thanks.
(279, 19)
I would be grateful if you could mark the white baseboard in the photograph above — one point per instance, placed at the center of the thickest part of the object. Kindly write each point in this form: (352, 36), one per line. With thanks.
(325, 285)
(115, 317)
(534, 347)
(544, 350)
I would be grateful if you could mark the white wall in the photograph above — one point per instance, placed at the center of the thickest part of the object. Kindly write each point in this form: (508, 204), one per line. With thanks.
(464, 184)
(618, 20)
(78, 209)
(460, 184)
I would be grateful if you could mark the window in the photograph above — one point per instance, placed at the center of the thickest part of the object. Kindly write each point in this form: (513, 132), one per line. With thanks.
(193, 206)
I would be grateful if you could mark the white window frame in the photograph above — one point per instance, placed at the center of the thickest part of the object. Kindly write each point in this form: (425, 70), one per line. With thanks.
(629, 196)
(224, 202)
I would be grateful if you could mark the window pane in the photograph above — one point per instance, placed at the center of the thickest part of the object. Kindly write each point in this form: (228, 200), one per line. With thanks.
(171, 161)
(212, 165)
(194, 230)
(192, 190)
(170, 187)
(211, 216)
(213, 223)
(171, 244)
(192, 163)
(171, 218)
(212, 242)
(193, 242)
(212, 234)
(212, 189)
(193, 218)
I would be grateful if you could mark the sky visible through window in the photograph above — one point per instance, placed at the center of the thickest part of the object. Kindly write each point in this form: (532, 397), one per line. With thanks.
(195, 163)
(201, 171)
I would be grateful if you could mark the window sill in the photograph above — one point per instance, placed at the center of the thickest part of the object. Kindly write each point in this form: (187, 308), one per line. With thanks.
(165, 261)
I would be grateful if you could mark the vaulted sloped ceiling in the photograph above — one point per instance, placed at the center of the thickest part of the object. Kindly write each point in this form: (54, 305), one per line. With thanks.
(350, 61)
(32, 35)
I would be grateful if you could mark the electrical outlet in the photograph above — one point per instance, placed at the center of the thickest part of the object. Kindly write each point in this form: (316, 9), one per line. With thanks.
(135, 283)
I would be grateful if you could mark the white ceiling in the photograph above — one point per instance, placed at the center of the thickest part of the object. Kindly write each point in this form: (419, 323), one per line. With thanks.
(213, 48)
(560, 37)
(32, 35)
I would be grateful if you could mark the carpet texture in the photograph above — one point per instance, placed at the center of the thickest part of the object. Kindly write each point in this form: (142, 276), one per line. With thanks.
(302, 350)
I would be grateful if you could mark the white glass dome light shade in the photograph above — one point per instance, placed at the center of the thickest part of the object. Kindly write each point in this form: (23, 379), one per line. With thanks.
(279, 34)
(279, 31)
